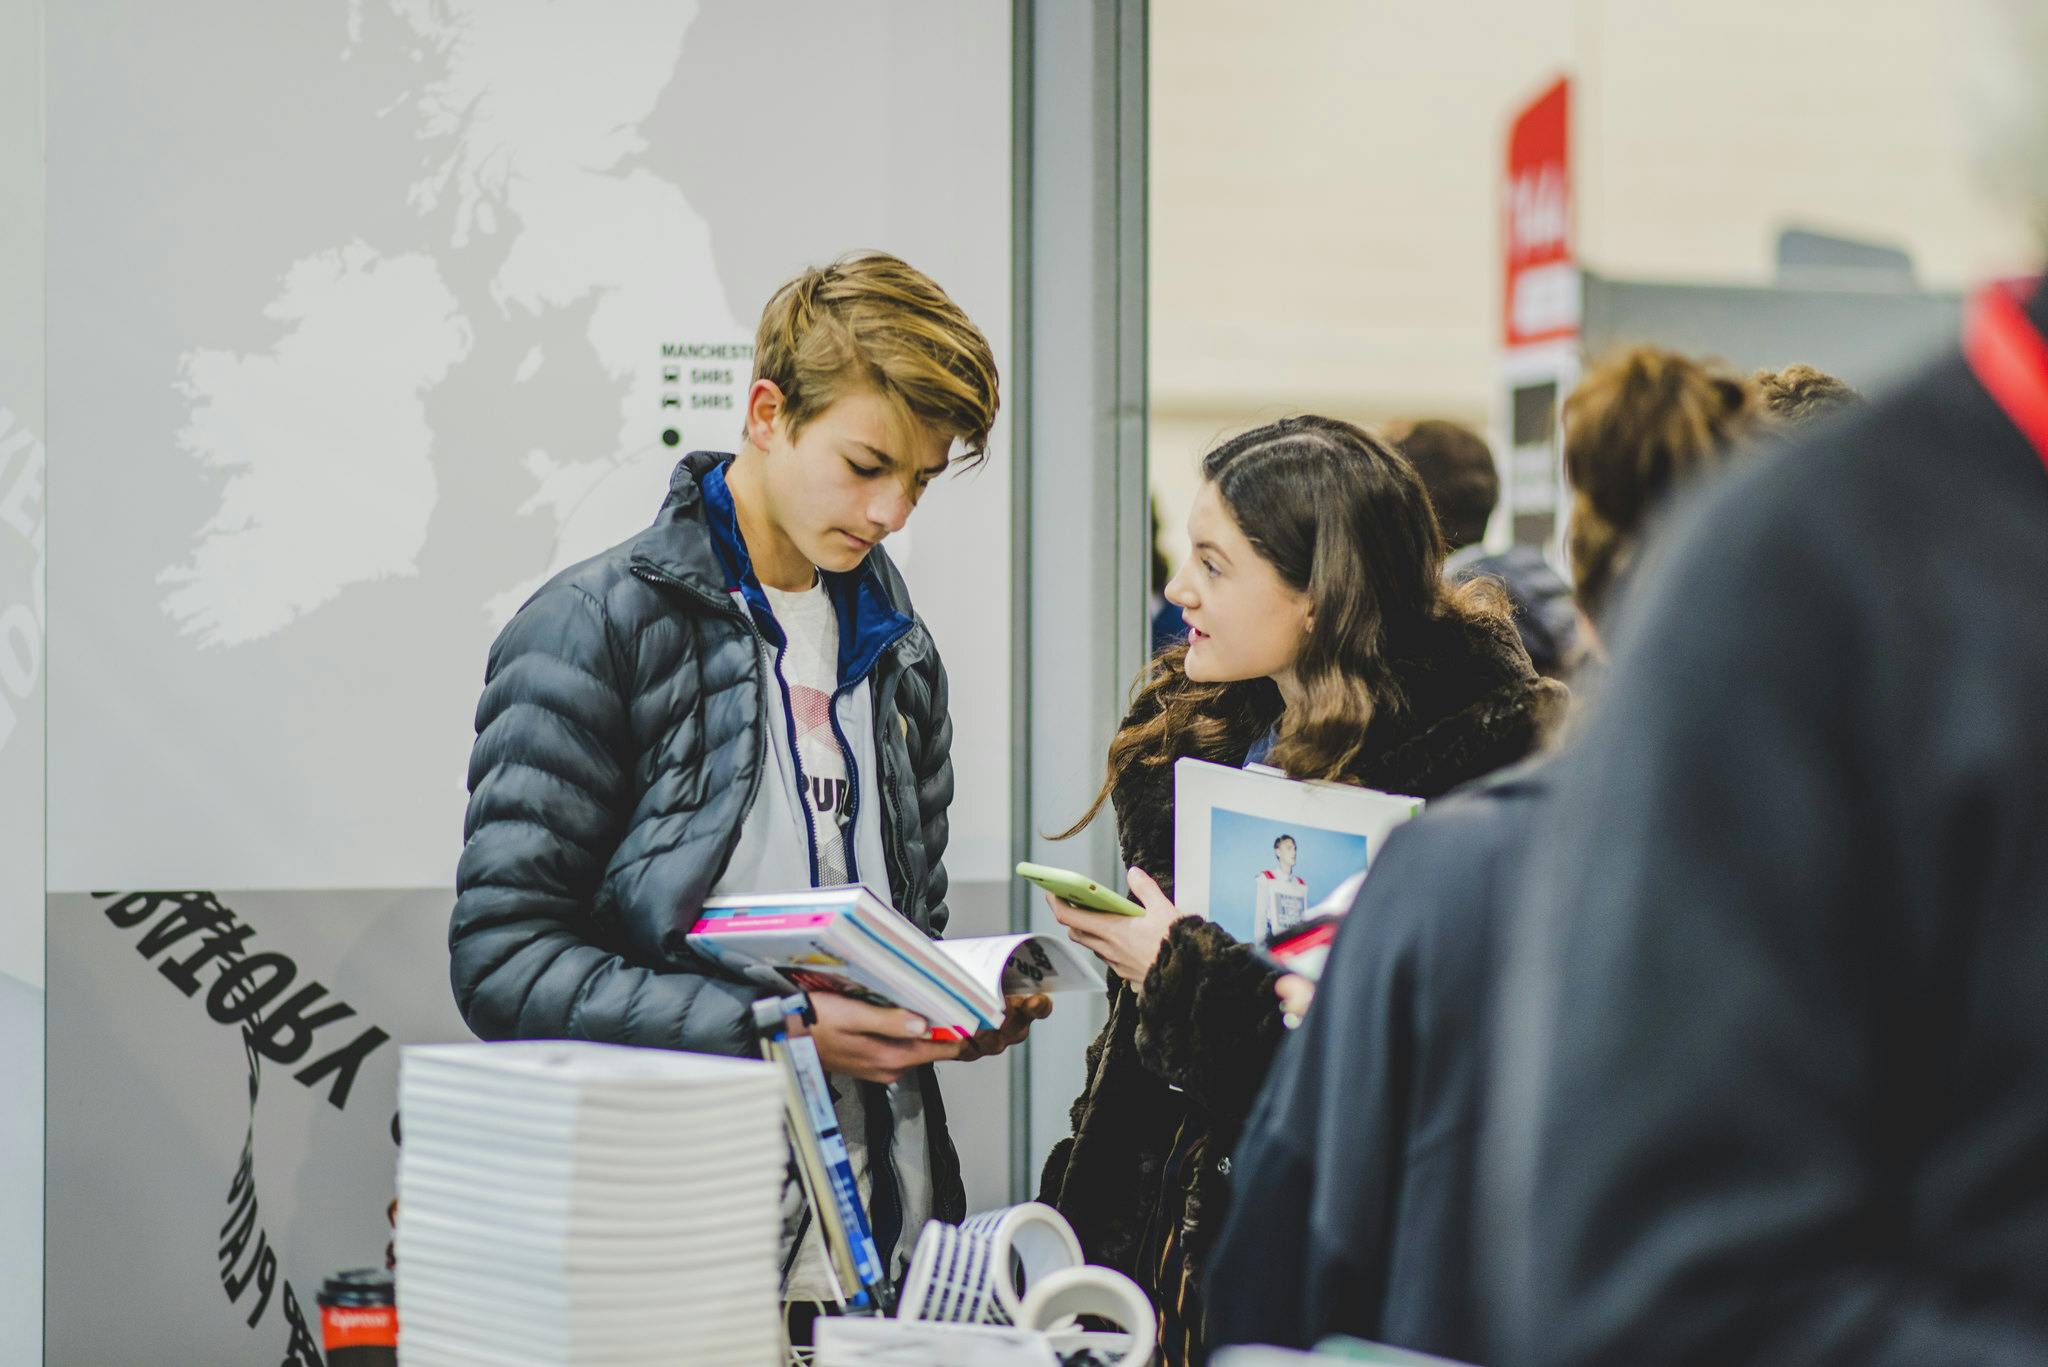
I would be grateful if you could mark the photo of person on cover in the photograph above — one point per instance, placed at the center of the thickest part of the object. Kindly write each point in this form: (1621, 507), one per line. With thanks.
(1265, 875)
(1280, 895)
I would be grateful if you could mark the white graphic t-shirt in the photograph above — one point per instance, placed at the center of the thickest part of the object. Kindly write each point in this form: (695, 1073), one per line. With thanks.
(1281, 903)
(809, 666)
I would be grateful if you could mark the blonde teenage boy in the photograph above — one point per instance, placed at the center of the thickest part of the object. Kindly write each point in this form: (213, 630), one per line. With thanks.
(741, 699)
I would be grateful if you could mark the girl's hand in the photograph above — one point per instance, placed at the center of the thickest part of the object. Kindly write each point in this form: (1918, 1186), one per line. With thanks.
(1295, 993)
(1128, 944)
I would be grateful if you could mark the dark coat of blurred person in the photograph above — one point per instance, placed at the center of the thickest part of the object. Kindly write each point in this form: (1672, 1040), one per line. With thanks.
(1353, 1204)
(1775, 1061)
(1457, 468)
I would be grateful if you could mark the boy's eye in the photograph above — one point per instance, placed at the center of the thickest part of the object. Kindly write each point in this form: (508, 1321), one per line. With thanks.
(865, 471)
(1210, 567)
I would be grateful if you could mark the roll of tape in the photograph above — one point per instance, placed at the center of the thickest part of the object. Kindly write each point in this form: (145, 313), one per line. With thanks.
(973, 1272)
(1028, 1243)
(1059, 1296)
(918, 1277)
(948, 1277)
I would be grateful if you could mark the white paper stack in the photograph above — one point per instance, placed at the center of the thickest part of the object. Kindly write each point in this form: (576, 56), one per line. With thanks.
(565, 1202)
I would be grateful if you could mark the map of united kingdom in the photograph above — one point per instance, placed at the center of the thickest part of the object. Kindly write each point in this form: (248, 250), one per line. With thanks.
(366, 317)
(537, 230)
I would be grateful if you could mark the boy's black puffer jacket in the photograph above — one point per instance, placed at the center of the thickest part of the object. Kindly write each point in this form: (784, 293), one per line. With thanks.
(620, 739)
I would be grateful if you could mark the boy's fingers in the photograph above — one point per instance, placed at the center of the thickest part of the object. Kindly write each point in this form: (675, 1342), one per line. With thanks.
(894, 1026)
(864, 1018)
(1037, 1006)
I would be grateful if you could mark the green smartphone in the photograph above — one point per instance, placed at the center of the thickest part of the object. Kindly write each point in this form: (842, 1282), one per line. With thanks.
(1082, 891)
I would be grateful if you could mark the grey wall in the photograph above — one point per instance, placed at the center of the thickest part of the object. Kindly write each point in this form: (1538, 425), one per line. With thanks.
(21, 675)
(1867, 337)
(391, 353)
(1084, 588)
(978, 1094)
(151, 1118)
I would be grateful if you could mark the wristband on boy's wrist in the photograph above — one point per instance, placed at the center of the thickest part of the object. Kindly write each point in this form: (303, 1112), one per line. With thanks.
(772, 1013)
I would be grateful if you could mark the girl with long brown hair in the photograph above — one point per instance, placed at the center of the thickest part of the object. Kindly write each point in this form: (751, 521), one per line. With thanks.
(1322, 641)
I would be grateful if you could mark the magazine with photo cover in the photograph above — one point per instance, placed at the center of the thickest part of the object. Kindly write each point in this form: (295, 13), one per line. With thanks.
(1258, 853)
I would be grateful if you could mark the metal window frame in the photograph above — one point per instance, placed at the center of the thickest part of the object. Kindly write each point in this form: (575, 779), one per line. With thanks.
(1080, 509)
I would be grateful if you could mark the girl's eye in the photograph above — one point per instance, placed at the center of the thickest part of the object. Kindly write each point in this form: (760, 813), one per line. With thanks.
(865, 471)
(1210, 567)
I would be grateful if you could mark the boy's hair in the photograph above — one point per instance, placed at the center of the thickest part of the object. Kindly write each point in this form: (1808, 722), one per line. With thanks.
(1457, 468)
(1289, 839)
(1800, 393)
(869, 322)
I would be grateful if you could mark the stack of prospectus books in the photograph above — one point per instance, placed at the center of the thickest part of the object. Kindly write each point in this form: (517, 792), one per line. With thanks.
(564, 1202)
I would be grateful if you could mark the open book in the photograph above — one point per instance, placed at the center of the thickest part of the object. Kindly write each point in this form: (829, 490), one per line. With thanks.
(848, 940)
(1258, 853)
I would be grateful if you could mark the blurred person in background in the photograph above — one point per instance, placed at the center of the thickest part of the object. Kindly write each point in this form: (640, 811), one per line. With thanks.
(1353, 1206)
(1799, 393)
(1168, 626)
(1457, 468)
(1774, 1048)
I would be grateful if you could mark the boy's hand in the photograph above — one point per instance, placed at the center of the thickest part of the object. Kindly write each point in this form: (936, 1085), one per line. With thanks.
(1128, 944)
(1018, 1014)
(873, 1043)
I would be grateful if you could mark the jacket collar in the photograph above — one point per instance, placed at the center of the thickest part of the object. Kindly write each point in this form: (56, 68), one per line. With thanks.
(695, 540)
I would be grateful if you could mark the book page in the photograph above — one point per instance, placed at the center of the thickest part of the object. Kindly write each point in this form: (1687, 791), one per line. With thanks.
(1017, 965)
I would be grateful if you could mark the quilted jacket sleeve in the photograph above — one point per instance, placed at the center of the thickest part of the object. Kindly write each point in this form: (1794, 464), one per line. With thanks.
(550, 792)
(928, 732)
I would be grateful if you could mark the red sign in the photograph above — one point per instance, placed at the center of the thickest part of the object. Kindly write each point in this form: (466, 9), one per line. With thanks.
(359, 1326)
(1541, 303)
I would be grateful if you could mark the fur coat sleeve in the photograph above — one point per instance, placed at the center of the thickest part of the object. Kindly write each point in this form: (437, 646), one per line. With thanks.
(1208, 1021)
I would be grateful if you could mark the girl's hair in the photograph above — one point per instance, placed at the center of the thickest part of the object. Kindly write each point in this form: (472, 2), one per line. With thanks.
(1341, 516)
(1640, 423)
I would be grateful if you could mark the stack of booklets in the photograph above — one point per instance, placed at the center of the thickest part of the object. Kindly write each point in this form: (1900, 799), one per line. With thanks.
(566, 1202)
(823, 1167)
(846, 939)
